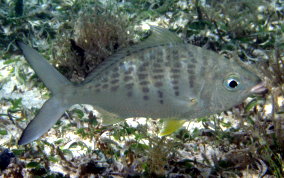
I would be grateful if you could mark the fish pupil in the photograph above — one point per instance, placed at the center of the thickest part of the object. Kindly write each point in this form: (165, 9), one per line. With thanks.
(233, 83)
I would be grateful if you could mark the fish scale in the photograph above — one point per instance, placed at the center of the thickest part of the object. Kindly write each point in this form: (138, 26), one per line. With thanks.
(151, 83)
(160, 78)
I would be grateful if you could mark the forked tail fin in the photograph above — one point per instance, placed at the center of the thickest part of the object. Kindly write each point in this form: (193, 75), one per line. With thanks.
(53, 108)
(48, 115)
(52, 79)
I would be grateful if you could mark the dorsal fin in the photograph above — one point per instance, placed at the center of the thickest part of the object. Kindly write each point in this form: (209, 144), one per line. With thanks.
(159, 36)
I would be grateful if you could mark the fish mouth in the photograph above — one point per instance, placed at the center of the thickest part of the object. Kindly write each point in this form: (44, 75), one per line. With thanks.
(259, 89)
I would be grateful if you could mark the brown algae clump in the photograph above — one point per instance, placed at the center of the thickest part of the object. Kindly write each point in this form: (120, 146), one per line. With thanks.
(95, 36)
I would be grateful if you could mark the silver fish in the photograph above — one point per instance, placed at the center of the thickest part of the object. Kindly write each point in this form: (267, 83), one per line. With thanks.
(161, 77)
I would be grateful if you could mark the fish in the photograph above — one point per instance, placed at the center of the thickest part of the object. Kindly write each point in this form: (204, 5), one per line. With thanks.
(161, 77)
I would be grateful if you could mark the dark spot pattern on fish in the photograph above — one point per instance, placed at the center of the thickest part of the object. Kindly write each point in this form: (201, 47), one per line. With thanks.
(175, 76)
(158, 84)
(175, 73)
(175, 87)
(116, 69)
(205, 60)
(127, 78)
(167, 63)
(115, 75)
(175, 70)
(168, 57)
(129, 93)
(176, 90)
(160, 94)
(174, 82)
(202, 70)
(129, 86)
(114, 88)
(152, 53)
(177, 65)
(146, 97)
(158, 77)
(177, 93)
(191, 81)
(145, 90)
(144, 82)
(145, 64)
(129, 71)
(160, 60)
(157, 65)
(159, 54)
(190, 53)
(120, 64)
(183, 54)
(190, 66)
(204, 66)
(191, 57)
(142, 76)
(107, 73)
(190, 72)
(158, 70)
(128, 53)
(142, 68)
(193, 61)
(175, 54)
(105, 86)
(105, 80)
(114, 81)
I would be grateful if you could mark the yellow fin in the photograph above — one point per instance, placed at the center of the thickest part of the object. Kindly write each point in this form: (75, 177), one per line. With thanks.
(171, 126)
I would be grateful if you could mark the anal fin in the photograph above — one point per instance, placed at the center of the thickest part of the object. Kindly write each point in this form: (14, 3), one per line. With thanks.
(108, 118)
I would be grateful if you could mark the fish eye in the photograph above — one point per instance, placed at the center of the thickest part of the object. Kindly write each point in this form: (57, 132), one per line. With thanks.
(231, 83)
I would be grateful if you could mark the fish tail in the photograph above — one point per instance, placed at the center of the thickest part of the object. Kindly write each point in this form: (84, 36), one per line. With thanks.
(52, 79)
(48, 115)
(53, 108)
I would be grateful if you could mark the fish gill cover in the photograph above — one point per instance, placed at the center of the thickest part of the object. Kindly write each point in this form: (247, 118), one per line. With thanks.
(77, 35)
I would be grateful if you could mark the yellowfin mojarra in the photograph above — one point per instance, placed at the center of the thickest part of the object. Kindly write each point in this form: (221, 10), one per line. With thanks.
(161, 77)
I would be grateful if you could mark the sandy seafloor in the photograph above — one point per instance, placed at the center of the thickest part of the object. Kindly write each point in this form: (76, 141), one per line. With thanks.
(33, 97)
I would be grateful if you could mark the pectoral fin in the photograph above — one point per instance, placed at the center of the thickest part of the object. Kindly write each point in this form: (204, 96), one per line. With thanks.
(171, 126)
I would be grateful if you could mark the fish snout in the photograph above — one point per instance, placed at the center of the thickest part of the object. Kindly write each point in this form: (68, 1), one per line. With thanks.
(259, 89)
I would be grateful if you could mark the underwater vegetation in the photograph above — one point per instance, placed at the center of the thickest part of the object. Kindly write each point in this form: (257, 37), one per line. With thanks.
(76, 36)
(95, 35)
